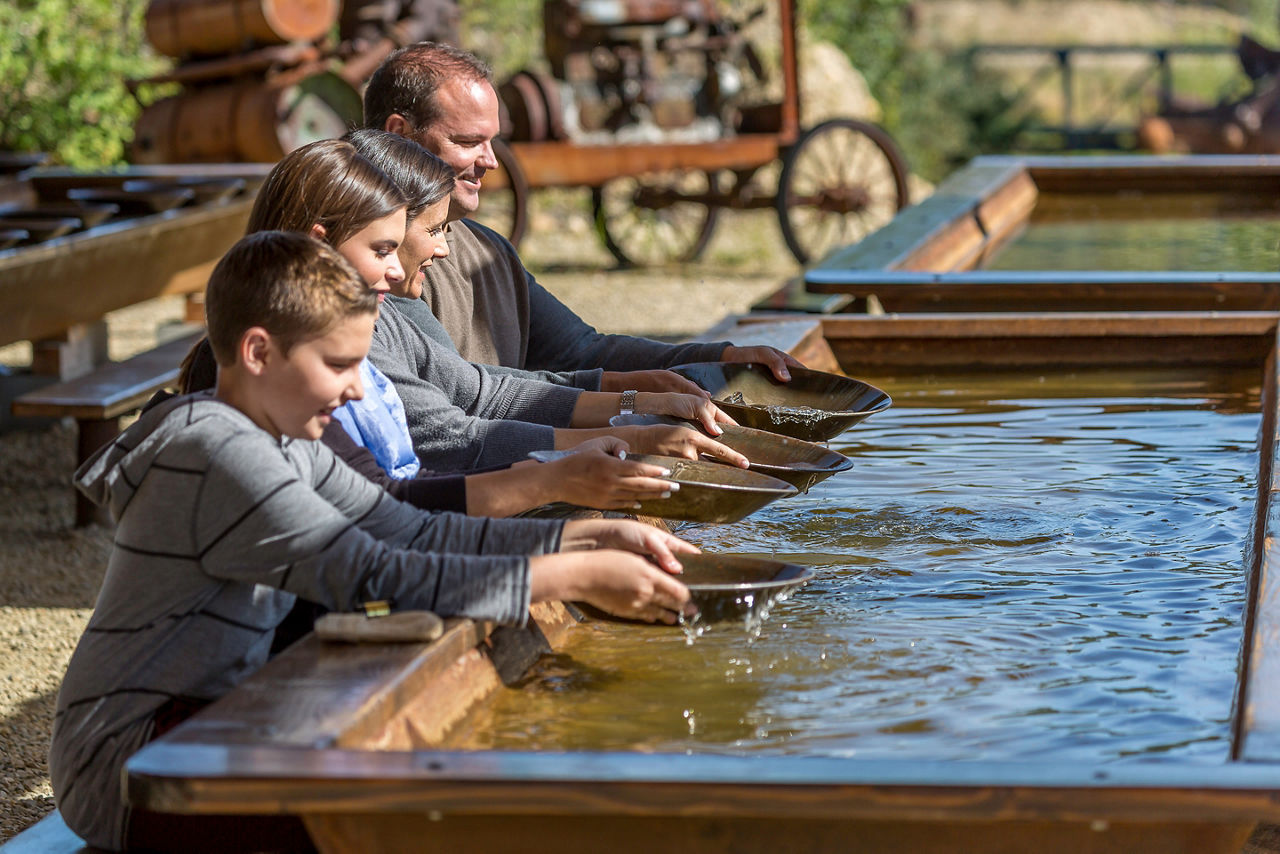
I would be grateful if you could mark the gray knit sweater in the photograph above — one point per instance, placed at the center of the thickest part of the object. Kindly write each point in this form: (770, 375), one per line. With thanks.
(219, 528)
(497, 314)
(461, 417)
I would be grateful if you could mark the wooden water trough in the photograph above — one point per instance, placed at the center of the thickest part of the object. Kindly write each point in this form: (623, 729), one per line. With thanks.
(930, 258)
(356, 740)
(52, 287)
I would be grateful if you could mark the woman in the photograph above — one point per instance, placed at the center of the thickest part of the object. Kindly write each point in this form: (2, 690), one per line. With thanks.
(328, 190)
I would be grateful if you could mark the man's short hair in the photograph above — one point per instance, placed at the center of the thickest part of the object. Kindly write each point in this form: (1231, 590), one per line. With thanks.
(407, 81)
(292, 285)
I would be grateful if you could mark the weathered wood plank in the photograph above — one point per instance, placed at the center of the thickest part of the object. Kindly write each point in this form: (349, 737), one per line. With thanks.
(51, 286)
(383, 834)
(1256, 721)
(110, 390)
(950, 213)
(1055, 290)
(175, 776)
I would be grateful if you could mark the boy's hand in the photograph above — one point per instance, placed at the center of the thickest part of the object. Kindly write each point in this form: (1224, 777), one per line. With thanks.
(626, 535)
(619, 582)
(627, 586)
(771, 357)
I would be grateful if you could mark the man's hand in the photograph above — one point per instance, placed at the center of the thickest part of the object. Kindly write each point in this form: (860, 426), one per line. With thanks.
(771, 357)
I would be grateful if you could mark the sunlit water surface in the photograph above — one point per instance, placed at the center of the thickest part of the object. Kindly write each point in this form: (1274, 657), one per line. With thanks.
(1151, 240)
(1014, 568)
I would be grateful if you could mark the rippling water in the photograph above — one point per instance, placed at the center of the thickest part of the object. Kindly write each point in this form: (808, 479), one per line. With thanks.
(1012, 569)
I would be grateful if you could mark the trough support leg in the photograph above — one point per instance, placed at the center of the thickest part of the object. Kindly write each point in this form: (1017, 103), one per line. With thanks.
(92, 434)
(72, 354)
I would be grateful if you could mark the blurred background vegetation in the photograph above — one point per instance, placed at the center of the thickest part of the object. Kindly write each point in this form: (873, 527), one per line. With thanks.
(63, 63)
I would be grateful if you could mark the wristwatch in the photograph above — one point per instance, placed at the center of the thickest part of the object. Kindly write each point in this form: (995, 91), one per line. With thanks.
(627, 403)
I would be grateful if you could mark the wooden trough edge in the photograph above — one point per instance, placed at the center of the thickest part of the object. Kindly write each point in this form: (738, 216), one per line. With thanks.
(227, 760)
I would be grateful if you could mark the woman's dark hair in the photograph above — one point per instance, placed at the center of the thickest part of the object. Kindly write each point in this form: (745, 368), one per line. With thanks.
(327, 183)
(423, 178)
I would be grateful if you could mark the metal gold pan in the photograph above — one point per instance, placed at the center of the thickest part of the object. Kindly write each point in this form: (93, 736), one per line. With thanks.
(814, 406)
(709, 492)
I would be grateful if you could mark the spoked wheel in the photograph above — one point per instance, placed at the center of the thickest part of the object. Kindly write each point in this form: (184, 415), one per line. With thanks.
(841, 181)
(504, 197)
(650, 220)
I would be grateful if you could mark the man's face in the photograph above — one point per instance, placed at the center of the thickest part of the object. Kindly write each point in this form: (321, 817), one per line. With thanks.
(462, 137)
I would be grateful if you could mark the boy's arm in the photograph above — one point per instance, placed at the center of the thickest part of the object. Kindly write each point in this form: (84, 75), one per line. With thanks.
(260, 520)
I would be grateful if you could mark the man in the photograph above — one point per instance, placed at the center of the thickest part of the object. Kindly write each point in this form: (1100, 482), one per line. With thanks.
(491, 307)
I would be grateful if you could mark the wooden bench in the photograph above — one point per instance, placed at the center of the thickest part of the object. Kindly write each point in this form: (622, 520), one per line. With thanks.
(98, 399)
(50, 835)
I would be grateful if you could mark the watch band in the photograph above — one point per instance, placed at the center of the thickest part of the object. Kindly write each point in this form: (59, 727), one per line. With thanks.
(627, 403)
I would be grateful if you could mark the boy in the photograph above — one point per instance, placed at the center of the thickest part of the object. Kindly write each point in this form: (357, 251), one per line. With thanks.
(224, 517)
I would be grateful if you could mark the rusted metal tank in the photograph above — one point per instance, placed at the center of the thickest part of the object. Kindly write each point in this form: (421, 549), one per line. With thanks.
(182, 28)
(246, 120)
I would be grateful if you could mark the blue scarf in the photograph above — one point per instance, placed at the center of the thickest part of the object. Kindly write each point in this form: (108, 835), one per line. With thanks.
(378, 423)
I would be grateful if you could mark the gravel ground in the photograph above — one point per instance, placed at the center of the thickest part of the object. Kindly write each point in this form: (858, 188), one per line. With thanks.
(50, 572)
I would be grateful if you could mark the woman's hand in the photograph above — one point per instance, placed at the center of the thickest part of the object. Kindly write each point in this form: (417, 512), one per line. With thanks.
(656, 380)
(618, 582)
(677, 441)
(771, 357)
(685, 406)
(594, 477)
(628, 535)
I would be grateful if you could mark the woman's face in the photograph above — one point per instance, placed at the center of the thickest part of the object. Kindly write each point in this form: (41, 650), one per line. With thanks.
(424, 241)
(372, 251)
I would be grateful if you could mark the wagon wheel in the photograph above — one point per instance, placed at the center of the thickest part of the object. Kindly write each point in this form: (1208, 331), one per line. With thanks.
(504, 201)
(841, 181)
(649, 221)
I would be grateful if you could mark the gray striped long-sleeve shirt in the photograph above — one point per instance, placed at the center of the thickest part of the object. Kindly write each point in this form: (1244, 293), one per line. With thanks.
(219, 528)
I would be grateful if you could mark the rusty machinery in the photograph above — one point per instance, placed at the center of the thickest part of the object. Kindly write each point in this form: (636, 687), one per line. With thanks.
(259, 78)
(657, 106)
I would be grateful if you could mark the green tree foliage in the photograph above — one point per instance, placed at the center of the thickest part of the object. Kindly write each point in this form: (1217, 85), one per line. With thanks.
(63, 64)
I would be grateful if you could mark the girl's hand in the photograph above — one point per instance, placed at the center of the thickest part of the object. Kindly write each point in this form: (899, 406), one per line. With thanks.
(676, 441)
(595, 478)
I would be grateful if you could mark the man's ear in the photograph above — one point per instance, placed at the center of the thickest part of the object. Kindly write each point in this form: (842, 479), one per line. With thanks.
(317, 231)
(398, 125)
(256, 350)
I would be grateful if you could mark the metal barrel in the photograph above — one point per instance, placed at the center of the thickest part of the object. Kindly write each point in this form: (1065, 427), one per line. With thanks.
(182, 28)
(246, 121)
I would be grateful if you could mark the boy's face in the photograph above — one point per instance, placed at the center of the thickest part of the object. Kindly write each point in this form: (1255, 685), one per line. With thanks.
(301, 389)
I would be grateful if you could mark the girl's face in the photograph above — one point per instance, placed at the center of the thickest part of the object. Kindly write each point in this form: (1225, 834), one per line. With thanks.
(424, 241)
(372, 251)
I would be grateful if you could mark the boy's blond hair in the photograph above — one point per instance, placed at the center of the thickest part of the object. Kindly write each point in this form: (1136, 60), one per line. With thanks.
(292, 285)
